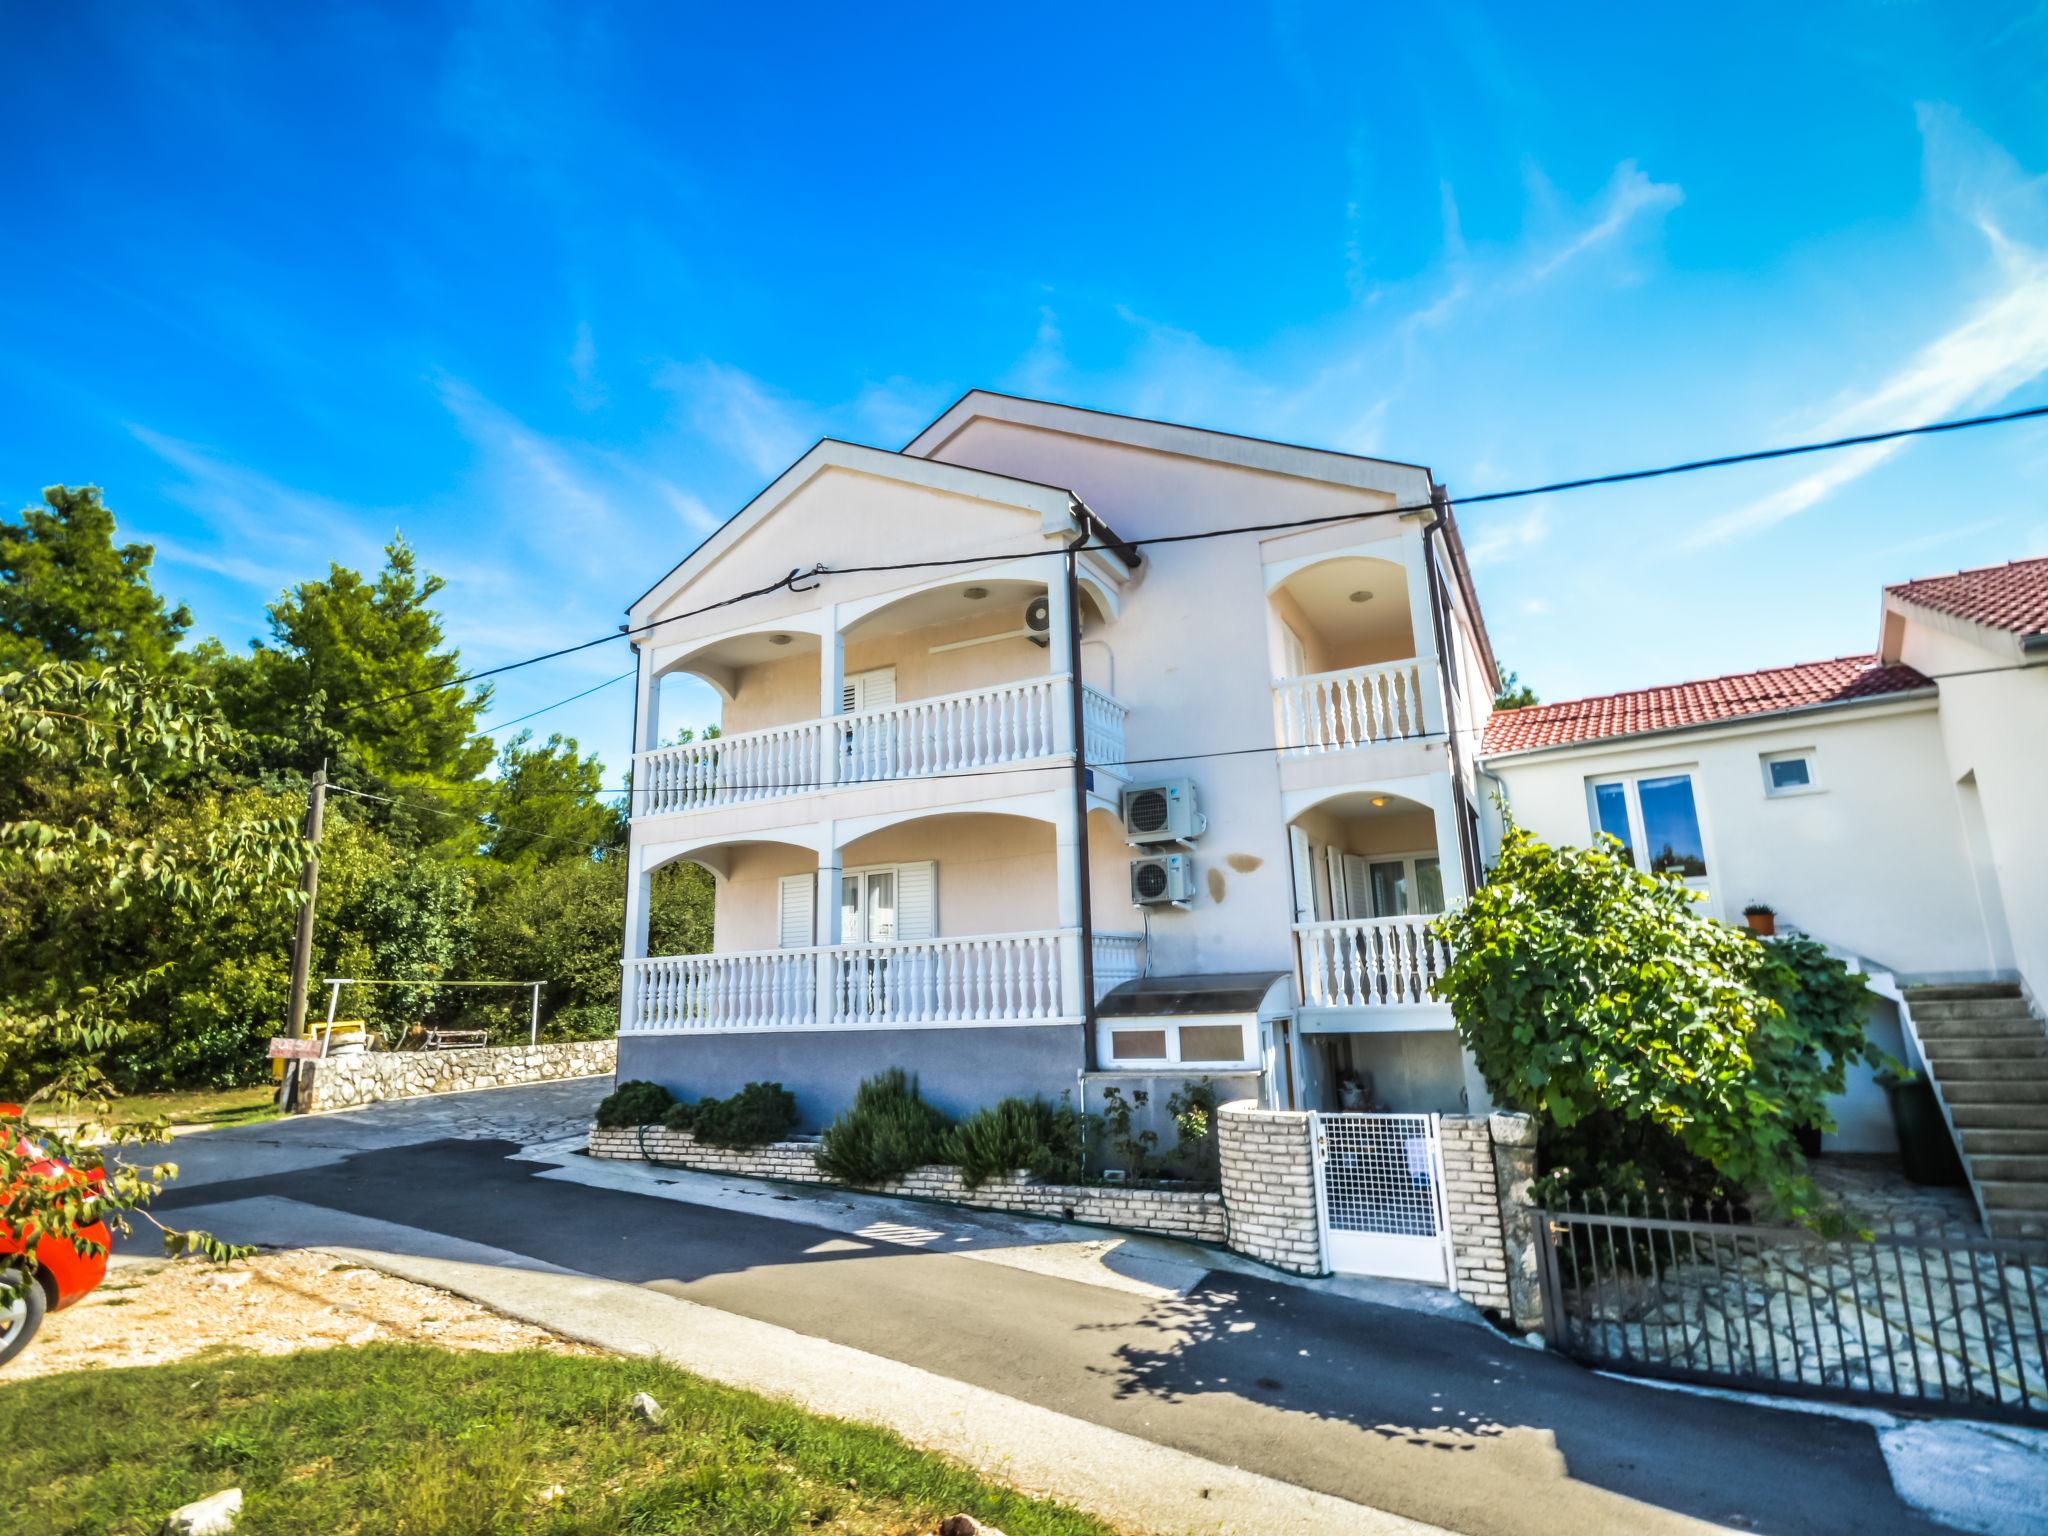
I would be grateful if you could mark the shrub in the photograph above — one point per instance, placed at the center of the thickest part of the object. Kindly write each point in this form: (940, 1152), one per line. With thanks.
(1044, 1139)
(680, 1117)
(1649, 1040)
(887, 1131)
(636, 1102)
(758, 1114)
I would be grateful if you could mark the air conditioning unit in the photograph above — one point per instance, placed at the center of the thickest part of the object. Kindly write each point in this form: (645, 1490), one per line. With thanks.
(1161, 813)
(1038, 621)
(1166, 879)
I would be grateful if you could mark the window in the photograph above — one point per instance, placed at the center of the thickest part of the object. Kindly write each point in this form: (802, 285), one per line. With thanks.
(1656, 820)
(1138, 1045)
(1212, 1042)
(868, 690)
(1197, 1043)
(1790, 773)
(888, 903)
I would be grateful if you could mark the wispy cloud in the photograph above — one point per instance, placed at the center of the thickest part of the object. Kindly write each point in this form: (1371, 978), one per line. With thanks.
(1498, 541)
(1629, 196)
(738, 415)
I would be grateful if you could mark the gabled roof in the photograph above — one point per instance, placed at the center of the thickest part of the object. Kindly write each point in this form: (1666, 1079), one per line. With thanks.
(2011, 597)
(1738, 696)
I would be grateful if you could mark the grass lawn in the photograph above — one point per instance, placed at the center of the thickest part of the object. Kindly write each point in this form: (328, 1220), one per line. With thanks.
(197, 1108)
(416, 1441)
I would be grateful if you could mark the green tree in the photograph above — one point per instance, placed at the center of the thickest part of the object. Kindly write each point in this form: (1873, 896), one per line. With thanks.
(1514, 693)
(126, 732)
(358, 671)
(1654, 1044)
(546, 804)
(67, 593)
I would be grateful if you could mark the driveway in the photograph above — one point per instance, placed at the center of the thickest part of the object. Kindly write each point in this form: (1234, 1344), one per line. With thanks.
(1427, 1416)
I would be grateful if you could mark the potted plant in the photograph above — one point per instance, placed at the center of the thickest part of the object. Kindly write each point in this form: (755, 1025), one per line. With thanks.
(1762, 918)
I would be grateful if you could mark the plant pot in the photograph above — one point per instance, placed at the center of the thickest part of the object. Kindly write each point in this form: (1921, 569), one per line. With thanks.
(1763, 924)
(1927, 1153)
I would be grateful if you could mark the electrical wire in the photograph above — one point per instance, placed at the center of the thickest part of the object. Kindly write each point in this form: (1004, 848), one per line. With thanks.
(485, 821)
(492, 730)
(1585, 482)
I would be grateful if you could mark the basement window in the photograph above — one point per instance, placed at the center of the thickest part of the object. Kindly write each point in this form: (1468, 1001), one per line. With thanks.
(1790, 773)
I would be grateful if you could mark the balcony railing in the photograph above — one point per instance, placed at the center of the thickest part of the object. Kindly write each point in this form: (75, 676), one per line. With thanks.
(1357, 707)
(999, 978)
(1370, 962)
(1116, 960)
(986, 728)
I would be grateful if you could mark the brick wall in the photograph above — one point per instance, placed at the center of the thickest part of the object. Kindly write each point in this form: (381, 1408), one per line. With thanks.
(344, 1082)
(1470, 1195)
(1269, 1185)
(1193, 1214)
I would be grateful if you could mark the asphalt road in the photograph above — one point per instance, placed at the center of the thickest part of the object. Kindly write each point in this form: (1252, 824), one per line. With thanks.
(1423, 1416)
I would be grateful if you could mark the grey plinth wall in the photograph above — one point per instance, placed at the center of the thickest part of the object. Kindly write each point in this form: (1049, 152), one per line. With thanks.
(1268, 1164)
(343, 1082)
(1514, 1170)
(1479, 1264)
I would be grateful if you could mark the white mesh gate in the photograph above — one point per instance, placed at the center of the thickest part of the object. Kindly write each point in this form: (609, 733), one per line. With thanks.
(1380, 1193)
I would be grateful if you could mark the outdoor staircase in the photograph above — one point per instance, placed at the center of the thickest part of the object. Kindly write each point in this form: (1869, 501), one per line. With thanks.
(1988, 1056)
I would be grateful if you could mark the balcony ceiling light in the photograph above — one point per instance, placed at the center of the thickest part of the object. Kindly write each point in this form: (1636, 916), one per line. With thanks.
(974, 594)
(778, 639)
(1361, 596)
(1378, 802)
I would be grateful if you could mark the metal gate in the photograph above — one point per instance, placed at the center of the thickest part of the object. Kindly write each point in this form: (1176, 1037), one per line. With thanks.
(1380, 1196)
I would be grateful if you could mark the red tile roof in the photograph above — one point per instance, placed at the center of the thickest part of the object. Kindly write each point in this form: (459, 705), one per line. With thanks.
(1682, 704)
(2011, 597)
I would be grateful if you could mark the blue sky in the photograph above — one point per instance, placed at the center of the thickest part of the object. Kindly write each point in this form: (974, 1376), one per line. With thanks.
(554, 289)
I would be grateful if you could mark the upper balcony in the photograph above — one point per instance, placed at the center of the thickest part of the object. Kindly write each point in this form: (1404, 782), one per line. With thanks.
(1354, 653)
(950, 681)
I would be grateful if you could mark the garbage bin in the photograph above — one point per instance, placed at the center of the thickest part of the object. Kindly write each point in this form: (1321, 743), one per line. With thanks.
(1926, 1150)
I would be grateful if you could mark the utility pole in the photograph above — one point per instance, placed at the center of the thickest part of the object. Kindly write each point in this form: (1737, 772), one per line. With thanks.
(302, 943)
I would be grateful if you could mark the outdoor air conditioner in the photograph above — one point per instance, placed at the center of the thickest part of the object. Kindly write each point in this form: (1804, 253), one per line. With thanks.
(1166, 879)
(1038, 621)
(1161, 813)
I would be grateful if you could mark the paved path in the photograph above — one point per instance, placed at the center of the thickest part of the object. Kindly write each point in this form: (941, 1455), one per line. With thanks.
(1426, 1416)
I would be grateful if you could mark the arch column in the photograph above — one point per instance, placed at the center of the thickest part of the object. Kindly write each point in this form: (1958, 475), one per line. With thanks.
(639, 889)
(828, 918)
(831, 693)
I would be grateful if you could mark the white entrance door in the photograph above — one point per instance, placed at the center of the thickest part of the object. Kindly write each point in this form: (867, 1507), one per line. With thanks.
(1380, 1192)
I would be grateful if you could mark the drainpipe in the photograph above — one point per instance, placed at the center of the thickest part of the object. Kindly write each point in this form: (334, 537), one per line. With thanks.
(1083, 871)
(1468, 860)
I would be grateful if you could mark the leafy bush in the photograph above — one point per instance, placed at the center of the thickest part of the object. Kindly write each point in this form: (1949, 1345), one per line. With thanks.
(1651, 1042)
(887, 1131)
(1046, 1140)
(680, 1117)
(758, 1114)
(635, 1102)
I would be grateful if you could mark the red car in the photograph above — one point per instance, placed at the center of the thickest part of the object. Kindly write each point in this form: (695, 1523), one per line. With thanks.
(62, 1274)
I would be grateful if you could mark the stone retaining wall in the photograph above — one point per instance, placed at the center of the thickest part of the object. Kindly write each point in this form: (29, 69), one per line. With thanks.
(344, 1082)
(1269, 1185)
(1193, 1214)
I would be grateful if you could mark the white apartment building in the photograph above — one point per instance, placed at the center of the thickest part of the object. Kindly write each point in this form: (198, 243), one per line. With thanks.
(916, 814)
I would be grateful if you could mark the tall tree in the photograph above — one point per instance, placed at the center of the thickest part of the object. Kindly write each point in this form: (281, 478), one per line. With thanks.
(68, 593)
(546, 804)
(360, 671)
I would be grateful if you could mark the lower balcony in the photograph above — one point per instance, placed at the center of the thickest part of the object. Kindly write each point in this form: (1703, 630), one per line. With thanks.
(1378, 964)
(979, 979)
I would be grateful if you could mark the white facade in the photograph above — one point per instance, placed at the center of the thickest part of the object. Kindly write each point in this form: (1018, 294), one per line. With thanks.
(895, 781)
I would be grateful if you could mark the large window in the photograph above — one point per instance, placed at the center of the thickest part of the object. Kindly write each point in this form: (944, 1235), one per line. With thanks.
(1657, 821)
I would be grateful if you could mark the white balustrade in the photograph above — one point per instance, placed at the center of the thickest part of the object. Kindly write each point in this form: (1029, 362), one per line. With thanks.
(1370, 962)
(1359, 706)
(1116, 960)
(1002, 978)
(985, 728)
(728, 770)
(1102, 731)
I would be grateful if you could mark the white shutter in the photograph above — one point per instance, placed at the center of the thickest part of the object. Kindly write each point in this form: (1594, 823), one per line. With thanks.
(1333, 869)
(793, 904)
(1304, 875)
(868, 690)
(917, 901)
(1358, 886)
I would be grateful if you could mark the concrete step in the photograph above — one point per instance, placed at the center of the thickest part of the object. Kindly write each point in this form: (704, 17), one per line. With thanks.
(1996, 1090)
(1983, 1115)
(1973, 992)
(2006, 1143)
(2030, 1226)
(2022, 1026)
(2000, 1195)
(1975, 1069)
(1943, 1049)
(1972, 1008)
(2010, 1170)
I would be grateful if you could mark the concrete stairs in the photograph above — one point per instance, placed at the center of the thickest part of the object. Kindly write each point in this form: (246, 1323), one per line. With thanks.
(1988, 1055)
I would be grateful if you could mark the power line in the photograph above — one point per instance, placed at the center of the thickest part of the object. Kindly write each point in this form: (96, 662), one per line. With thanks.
(485, 821)
(1619, 477)
(530, 714)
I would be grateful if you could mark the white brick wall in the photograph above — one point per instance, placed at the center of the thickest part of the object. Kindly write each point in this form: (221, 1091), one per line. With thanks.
(1477, 1251)
(1269, 1190)
(1193, 1214)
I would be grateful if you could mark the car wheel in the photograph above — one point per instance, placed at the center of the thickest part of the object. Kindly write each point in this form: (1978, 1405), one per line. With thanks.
(21, 1316)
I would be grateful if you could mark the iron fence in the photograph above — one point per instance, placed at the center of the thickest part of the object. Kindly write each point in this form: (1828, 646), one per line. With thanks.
(1931, 1319)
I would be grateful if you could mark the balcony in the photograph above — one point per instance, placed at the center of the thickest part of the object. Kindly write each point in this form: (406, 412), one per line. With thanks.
(1010, 724)
(1356, 707)
(978, 979)
(1378, 963)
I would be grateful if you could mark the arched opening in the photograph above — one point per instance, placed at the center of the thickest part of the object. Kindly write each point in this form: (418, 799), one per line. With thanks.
(1366, 854)
(961, 637)
(763, 678)
(1345, 612)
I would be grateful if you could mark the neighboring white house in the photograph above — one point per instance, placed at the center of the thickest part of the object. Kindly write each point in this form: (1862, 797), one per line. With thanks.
(905, 872)
(1894, 805)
